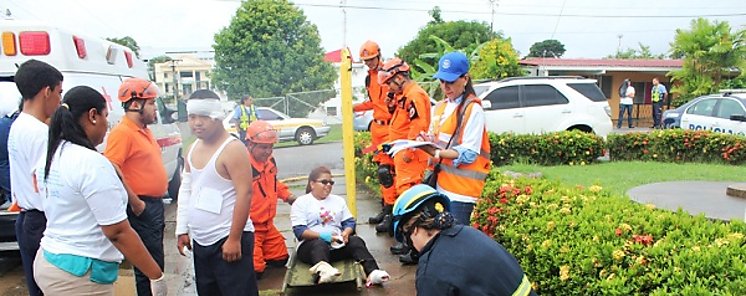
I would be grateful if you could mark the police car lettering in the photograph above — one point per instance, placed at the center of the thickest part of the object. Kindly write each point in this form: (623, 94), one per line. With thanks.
(698, 127)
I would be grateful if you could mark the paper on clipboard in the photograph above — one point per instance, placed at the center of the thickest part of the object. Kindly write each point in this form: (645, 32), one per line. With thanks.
(399, 145)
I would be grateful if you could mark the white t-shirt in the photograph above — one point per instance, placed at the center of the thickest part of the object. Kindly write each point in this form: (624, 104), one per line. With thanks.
(27, 143)
(81, 194)
(472, 130)
(627, 100)
(324, 215)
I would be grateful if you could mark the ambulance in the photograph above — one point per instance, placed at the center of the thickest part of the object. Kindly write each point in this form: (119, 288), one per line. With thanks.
(83, 60)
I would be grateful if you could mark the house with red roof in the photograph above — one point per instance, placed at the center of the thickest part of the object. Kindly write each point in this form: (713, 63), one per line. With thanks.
(609, 74)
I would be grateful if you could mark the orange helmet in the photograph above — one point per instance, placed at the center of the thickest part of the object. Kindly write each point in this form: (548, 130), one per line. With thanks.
(369, 50)
(390, 68)
(137, 88)
(261, 132)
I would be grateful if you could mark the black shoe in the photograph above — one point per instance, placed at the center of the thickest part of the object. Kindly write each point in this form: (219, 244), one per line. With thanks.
(385, 225)
(409, 259)
(259, 275)
(378, 218)
(399, 249)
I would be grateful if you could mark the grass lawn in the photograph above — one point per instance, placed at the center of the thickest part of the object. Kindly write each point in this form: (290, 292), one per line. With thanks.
(618, 177)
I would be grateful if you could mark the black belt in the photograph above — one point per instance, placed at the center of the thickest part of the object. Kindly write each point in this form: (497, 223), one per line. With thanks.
(150, 197)
(382, 122)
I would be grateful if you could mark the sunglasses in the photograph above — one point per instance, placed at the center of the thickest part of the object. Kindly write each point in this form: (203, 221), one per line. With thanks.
(326, 182)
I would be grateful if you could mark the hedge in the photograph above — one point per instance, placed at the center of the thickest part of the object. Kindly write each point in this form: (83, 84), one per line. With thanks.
(678, 146)
(584, 241)
(567, 147)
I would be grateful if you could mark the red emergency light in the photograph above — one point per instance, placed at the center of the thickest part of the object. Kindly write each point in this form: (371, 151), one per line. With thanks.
(128, 56)
(80, 47)
(34, 43)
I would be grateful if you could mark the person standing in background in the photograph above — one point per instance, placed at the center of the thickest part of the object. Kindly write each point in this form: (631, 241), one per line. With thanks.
(625, 104)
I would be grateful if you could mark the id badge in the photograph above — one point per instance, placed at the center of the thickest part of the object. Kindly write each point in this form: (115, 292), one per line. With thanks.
(210, 200)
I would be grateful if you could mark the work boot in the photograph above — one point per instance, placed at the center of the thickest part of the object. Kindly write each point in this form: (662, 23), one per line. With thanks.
(409, 259)
(385, 225)
(399, 249)
(377, 219)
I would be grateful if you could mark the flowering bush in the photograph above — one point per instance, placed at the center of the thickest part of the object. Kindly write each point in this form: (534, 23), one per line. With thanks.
(678, 146)
(567, 147)
(365, 168)
(584, 241)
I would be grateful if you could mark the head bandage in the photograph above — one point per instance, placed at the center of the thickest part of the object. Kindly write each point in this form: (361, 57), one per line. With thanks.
(206, 107)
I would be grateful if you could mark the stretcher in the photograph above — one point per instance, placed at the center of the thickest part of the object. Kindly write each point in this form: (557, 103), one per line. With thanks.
(298, 275)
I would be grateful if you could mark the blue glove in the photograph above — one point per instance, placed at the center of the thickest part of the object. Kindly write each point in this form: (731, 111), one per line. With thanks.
(326, 236)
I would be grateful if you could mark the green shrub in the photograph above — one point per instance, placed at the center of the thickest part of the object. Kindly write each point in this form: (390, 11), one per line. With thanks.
(365, 168)
(567, 147)
(678, 145)
(578, 241)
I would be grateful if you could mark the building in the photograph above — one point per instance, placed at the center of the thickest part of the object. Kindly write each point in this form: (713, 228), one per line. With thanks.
(185, 73)
(610, 73)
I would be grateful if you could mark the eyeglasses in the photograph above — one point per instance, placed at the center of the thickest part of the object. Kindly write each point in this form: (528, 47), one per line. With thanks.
(326, 182)
(451, 82)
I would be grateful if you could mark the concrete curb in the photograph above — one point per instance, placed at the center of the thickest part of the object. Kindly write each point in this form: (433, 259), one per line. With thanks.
(300, 178)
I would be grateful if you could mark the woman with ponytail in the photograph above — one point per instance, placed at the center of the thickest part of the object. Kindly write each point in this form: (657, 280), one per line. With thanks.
(85, 204)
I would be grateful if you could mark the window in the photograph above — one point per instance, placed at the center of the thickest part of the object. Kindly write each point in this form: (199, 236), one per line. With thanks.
(640, 91)
(590, 91)
(264, 114)
(728, 108)
(185, 74)
(605, 85)
(479, 89)
(542, 95)
(704, 107)
(504, 98)
(331, 111)
(187, 89)
(197, 75)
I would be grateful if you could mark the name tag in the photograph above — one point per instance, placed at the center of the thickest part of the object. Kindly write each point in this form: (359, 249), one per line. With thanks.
(210, 200)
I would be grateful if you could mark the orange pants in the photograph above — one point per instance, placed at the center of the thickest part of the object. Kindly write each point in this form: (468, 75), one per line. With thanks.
(379, 134)
(269, 245)
(410, 168)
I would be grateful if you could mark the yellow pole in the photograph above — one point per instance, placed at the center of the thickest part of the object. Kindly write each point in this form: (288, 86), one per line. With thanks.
(345, 74)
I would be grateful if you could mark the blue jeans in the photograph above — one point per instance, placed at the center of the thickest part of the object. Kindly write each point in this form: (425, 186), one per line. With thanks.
(149, 226)
(461, 211)
(30, 226)
(621, 115)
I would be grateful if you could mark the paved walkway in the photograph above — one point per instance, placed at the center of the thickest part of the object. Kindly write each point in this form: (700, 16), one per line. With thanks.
(694, 197)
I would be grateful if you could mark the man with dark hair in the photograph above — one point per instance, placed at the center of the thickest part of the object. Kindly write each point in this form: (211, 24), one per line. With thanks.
(243, 115)
(658, 95)
(40, 86)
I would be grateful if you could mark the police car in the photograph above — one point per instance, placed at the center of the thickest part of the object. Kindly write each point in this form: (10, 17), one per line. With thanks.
(720, 113)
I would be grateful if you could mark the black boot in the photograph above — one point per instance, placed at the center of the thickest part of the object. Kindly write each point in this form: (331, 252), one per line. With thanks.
(385, 225)
(409, 259)
(399, 249)
(379, 217)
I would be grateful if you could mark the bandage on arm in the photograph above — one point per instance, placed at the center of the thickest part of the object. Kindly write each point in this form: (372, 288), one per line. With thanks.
(183, 204)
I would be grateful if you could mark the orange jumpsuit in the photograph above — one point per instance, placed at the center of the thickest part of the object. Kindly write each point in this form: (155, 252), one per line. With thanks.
(412, 116)
(379, 128)
(269, 244)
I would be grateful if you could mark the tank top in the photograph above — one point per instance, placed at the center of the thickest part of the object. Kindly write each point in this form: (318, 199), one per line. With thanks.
(211, 205)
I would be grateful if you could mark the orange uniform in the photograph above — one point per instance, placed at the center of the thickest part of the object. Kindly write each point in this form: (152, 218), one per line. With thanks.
(411, 117)
(269, 244)
(379, 128)
(136, 153)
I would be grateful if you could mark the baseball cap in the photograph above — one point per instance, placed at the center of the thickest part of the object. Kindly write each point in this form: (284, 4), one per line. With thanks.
(452, 66)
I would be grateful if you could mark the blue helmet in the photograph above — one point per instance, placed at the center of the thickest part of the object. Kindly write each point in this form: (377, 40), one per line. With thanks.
(409, 202)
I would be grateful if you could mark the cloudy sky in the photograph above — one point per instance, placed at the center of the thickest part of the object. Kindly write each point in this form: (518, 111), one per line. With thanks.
(588, 28)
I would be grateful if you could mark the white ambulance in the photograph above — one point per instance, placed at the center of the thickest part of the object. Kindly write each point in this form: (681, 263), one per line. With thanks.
(88, 61)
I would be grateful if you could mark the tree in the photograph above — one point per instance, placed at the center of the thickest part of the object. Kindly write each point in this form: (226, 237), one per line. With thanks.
(547, 48)
(128, 42)
(630, 53)
(711, 53)
(496, 59)
(270, 49)
(156, 60)
(435, 14)
(459, 34)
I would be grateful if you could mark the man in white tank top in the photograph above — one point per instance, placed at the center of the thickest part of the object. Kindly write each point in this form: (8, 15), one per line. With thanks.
(214, 203)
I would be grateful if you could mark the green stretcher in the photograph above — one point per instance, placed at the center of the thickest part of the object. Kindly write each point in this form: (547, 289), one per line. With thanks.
(298, 275)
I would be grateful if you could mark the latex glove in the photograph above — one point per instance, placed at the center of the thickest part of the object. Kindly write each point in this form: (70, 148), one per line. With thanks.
(158, 287)
(326, 236)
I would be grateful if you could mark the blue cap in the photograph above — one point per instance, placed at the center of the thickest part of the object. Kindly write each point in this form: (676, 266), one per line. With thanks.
(452, 66)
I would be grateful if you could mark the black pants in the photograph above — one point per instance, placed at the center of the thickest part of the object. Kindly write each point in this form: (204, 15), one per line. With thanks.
(30, 226)
(217, 277)
(316, 250)
(149, 225)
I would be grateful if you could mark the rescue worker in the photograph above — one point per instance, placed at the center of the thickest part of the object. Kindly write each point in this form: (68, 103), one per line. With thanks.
(243, 115)
(454, 259)
(458, 125)
(133, 150)
(379, 102)
(410, 118)
(269, 244)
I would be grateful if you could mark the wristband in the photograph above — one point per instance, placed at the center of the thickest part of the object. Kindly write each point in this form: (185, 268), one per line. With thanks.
(326, 236)
(163, 274)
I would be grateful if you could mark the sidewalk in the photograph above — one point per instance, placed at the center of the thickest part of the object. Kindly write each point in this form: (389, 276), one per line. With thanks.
(180, 272)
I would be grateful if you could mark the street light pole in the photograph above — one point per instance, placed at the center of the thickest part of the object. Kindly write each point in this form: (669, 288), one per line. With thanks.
(493, 3)
(176, 81)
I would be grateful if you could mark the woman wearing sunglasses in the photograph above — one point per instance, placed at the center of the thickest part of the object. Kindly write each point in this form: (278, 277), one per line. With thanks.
(325, 228)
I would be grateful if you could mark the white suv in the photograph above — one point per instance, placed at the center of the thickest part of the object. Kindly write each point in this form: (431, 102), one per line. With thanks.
(534, 105)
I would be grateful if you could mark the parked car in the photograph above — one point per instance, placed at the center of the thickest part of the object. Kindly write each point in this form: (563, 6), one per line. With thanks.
(302, 130)
(720, 113)
(672, 117)
(534, 105)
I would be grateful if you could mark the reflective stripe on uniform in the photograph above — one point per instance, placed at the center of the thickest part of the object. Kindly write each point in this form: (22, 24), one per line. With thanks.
(524, 288)
(479, 176)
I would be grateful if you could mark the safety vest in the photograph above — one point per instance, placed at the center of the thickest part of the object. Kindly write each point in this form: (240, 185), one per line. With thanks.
(466, 179)
(656, 93)
(266, 190)
(247, 117)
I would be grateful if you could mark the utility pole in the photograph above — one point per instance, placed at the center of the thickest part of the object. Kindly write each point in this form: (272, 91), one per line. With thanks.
(342, 4)
(176, 80)
(619, 47)
(493, 3)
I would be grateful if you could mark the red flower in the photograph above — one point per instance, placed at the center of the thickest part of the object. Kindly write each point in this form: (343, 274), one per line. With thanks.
(503, 200)
(528, 190)
(492, 210)
(618, 232)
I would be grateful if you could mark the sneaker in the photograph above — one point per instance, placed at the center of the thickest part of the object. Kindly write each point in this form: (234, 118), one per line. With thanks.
(399, 249)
